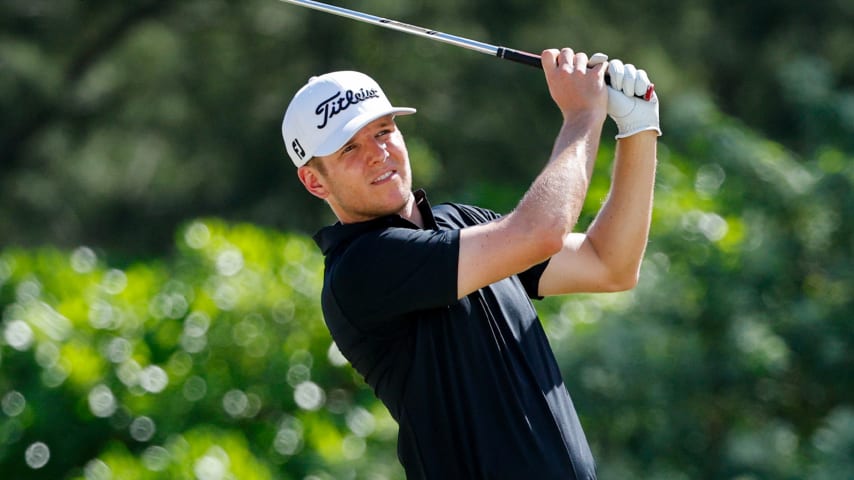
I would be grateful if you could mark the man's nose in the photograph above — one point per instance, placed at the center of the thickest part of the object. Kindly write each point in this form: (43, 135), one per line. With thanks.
(379, 151)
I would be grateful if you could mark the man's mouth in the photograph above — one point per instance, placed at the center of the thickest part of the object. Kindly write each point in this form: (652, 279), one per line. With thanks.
(384, 177)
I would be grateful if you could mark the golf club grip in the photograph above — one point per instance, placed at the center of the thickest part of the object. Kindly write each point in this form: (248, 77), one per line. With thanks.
(535, 61)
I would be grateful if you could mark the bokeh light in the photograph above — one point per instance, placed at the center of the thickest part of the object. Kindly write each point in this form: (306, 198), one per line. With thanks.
(229, 262)
(309, 396)
(83, 260)
(37, 455)
(235, 402)
(18, 335)
(214, 465)
(335, 356)
(119, 350)
(102, 402)
(289, 436)
(153, 379)
(97, 470)
(361, 422)
(142, 429)
(195, 388)
(197, 235)
(13, 403)
(115, 281)
(156, 458)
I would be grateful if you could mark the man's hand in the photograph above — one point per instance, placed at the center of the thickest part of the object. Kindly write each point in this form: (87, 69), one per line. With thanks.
(535, 230)
(577, 87)
(631, 114)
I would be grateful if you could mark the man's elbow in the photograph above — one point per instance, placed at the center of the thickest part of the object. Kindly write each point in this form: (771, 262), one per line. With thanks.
(621, 282)
(545, 239)
(549, 241)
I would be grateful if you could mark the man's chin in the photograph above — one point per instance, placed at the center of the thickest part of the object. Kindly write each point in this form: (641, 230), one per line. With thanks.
(402, 207)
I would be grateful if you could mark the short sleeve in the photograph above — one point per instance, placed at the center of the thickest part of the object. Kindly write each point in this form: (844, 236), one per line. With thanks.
(392, 272)
(467, 215)
(530, 280)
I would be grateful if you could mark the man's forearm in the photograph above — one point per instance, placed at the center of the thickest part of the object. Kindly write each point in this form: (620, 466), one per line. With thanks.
(536, 229)
(621, 228)
(556, 196)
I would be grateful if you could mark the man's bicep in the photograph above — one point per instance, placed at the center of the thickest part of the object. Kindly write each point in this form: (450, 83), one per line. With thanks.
(576, 268)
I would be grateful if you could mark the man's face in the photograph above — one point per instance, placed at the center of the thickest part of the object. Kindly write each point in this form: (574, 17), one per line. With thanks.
(368, 177)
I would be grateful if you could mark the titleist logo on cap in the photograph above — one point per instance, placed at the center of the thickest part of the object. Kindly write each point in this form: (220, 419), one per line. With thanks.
(342, 101)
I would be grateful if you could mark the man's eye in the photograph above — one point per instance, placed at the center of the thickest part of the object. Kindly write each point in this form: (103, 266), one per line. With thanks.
(383, 132)
(348, 148)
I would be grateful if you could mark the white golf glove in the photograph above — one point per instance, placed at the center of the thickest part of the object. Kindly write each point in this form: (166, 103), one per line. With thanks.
(630, 113)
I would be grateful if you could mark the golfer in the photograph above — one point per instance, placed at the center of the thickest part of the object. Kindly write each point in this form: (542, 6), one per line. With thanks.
(431, 304)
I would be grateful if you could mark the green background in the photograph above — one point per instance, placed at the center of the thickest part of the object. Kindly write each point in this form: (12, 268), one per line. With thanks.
(159, 287)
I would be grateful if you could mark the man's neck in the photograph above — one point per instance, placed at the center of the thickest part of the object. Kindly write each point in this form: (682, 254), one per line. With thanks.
(411, 212)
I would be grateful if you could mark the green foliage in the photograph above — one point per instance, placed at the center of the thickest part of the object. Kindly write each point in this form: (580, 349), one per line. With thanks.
(728, 361)
(214, 364)
(731, 355)
(130, 352)
(147, 112)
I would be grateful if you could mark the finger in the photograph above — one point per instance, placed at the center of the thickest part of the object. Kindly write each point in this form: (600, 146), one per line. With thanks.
(615, 71)
(581, 61)
(642, 83)
(549, 56)
(597, 59)
(598, 64)
(566, 58)
(629, 77)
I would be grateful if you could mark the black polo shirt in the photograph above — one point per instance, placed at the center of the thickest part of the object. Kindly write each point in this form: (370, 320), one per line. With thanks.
(472, 383)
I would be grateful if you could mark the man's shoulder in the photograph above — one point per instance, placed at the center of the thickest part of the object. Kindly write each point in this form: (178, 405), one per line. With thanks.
(392, 247)
(335, 239)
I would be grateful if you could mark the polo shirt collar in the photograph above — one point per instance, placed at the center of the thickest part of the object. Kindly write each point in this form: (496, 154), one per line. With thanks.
(327, 238)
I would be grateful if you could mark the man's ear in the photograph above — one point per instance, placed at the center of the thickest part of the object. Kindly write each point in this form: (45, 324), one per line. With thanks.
(313, 182)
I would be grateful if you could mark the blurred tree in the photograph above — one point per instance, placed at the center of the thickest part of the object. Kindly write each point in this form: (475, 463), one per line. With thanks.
(214, 365)
(121, 121)
(206, 357)
(730, 359)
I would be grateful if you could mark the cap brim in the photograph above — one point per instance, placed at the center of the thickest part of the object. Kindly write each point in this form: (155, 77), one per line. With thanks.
(334, 142)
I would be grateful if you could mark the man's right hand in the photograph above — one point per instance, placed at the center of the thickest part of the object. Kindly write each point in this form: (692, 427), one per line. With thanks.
(575, 87)
(535, 230)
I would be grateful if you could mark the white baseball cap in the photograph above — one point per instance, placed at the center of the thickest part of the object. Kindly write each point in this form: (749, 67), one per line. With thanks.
(328, 111)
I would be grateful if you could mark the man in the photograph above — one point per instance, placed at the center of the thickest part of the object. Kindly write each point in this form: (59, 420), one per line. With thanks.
(431, 305)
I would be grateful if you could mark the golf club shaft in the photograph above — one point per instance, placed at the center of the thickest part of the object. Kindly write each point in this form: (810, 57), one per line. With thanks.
(500, 52)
